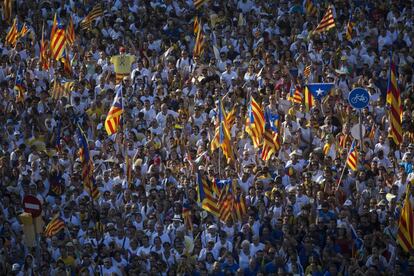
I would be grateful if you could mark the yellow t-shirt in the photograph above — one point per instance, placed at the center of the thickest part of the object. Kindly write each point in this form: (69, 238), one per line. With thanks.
(122, 63)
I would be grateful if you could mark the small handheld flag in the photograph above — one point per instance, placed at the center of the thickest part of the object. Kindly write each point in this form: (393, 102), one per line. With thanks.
(327, 22)
(112, 121)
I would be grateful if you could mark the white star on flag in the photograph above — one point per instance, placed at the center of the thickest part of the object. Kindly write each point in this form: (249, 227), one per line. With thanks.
(319, 92)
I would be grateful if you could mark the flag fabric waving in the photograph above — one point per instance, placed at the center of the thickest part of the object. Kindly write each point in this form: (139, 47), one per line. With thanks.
(320, 90)
(352, 160)
(96, 12)
(327, 22)
(61, 89)
(70, 32)
(199, 43)
(87, 165)
(255, 123)
(199, 3)
(222, 137)
(394, 101)
(349, 28)
(23, 31)
(295, 94)
(307, 71)
(405, 234)
(58, 41)
(225, 203)
(197, 25)
(112, 120)
(310, 8)
(12, 34)
(54, 226)
(309, 100)
(206, 196)
(67, 67)
(240, 207)
(271, 143)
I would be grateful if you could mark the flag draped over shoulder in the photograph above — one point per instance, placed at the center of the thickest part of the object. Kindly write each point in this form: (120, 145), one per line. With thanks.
(54, 226)
(394, 101)
(327, 22)
(87, 165)
(112, 121)
(405, 234)
(255, 123)
(206, 197)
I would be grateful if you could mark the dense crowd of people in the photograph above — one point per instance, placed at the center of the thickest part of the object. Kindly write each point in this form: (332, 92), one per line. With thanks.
(307, 212)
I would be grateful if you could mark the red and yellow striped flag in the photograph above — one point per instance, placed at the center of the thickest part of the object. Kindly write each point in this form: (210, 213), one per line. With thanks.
(349, 28)
(394, 101)
(61, 89)
(240, 207)
(405, 234)
(197, 25)
(112, 120)
(297, 95)
(199, 3)
(327, 22)
(199, 44)
(58, 42)
(206, 196)
(23, 31)
(352, 160)
(54, 27)
(225, 204)
(11, 37)
(309, 100)
(310, 8)
(222, 137)
(307, 71)
(255, 123)
(67, 67)
(96, 12)
(70, 32)
(44, 59)
(54, 226)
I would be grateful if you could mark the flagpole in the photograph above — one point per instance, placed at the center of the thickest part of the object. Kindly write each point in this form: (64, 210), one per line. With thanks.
(343, 170)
